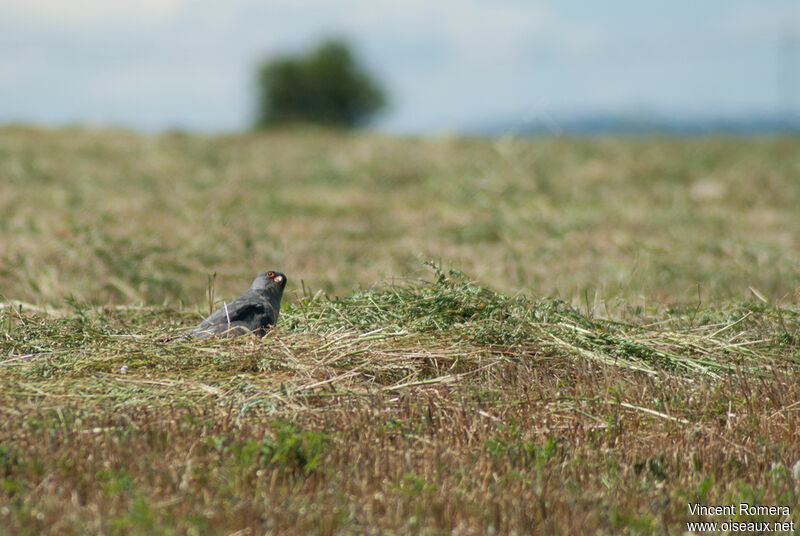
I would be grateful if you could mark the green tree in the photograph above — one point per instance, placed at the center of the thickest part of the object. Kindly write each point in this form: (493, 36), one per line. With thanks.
(326, 86)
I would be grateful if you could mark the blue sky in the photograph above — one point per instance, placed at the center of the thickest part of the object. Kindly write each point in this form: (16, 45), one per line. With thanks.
(157, 64)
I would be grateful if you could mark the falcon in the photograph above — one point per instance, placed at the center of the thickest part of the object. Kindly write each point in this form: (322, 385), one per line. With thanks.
(252, 312)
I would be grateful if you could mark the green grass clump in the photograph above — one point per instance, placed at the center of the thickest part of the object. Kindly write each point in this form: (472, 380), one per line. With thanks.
(451, 301)
(453, 307)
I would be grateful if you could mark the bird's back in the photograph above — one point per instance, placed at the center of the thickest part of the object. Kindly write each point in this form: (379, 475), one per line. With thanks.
(250, 312)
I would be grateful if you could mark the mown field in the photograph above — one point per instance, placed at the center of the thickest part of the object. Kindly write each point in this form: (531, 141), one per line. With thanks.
(479, 336)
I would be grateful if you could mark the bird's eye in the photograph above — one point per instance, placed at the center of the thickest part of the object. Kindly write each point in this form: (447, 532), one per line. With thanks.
(270, 274)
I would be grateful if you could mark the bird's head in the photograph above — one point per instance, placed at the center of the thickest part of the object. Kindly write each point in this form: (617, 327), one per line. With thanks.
(271, 280)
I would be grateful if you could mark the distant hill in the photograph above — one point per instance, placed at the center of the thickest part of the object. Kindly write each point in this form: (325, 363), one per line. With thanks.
(547, 125)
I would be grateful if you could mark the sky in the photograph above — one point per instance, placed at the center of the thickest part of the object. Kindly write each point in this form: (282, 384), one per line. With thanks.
(448, 65)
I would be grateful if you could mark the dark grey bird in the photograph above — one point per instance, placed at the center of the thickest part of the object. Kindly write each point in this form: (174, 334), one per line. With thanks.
(252, 312)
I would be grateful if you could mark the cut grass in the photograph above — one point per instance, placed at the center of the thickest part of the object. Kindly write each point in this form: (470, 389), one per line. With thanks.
(113, 217)
(628, 346)
(433, 407)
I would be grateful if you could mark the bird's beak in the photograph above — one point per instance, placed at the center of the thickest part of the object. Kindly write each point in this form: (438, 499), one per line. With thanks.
(279, 279)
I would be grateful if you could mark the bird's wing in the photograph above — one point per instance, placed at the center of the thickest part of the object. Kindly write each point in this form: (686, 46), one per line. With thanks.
(243, 309)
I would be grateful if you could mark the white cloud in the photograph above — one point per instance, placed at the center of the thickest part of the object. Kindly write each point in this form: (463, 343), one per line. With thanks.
(82, 12)
(755, 19)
